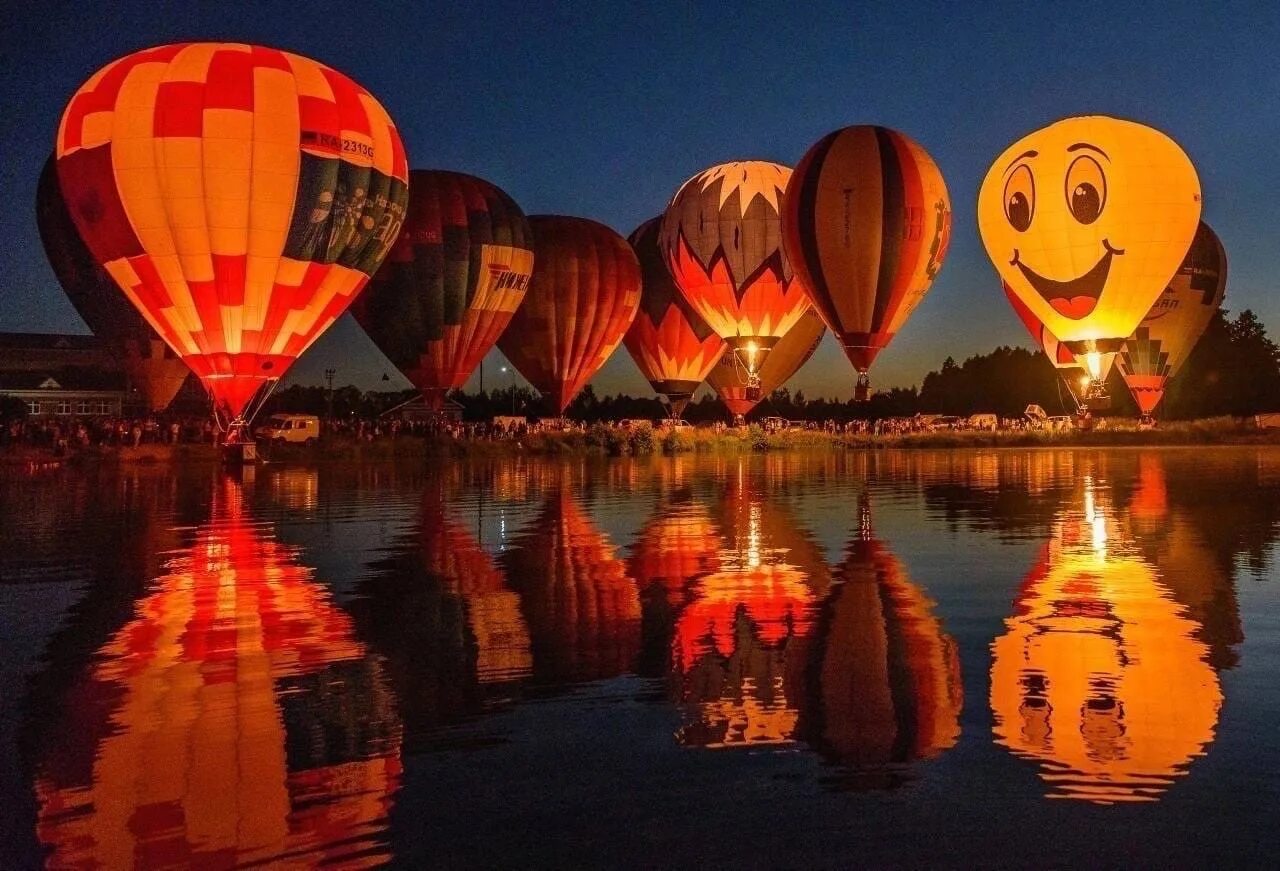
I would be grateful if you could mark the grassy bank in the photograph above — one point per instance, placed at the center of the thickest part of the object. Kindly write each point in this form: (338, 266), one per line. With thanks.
(644, 441)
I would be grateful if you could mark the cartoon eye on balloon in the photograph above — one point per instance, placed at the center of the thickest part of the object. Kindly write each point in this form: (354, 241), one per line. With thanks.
(1086, 186)
(1020, 198)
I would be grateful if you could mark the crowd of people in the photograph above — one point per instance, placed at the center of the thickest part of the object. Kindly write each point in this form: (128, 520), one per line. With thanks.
(64, 432)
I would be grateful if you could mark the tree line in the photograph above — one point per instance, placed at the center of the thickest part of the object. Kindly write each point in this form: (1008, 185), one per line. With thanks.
(1233, 370)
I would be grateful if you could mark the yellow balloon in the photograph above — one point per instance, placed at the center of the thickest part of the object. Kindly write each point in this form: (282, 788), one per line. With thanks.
(1087, 220)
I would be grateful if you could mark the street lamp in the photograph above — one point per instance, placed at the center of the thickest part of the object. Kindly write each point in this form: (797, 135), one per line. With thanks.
(513, 390)
(328, 376)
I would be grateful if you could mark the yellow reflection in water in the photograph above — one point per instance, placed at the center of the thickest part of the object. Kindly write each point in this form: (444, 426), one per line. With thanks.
(233, 720)
(1099, 675)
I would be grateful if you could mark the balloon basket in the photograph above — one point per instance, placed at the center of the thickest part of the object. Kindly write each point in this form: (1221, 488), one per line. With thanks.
(239, 454)
(862, 390)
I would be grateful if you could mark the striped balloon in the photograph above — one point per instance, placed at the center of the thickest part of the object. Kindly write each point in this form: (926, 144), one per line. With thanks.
(866, 222)
(240, 196)
(583, 296)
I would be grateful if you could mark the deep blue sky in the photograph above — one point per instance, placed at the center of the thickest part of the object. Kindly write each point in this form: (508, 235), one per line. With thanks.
(602, 112)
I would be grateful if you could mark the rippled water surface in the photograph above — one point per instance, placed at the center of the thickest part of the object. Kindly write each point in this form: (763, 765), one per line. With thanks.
(1012, 658)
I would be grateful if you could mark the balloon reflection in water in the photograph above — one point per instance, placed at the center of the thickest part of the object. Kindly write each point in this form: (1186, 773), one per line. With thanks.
(582, 610)
(737, 654)
(1099, 676)
(888, 678)
(234, 719)
(453, 555)
(1197, 577)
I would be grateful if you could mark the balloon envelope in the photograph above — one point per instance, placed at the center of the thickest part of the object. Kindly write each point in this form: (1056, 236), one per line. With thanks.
(1086, 220)
(670, 342)
(867, 221)
(722, 240)
(792, 351)
(583, 296)
(450, 284)
(240, 196)
(1161, 343)
(152, 368)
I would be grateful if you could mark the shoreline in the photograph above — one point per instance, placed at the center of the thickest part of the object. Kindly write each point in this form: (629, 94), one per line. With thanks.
(605, 442)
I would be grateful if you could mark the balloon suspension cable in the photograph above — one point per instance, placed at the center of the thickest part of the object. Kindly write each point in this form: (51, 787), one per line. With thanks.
(234, 427)
(748, 374)
(1062, 403)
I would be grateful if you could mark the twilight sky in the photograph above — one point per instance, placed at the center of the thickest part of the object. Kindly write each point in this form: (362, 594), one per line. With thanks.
(605, 111)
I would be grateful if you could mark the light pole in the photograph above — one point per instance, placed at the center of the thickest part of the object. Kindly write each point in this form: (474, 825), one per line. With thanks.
(513, 390)
(328, 376)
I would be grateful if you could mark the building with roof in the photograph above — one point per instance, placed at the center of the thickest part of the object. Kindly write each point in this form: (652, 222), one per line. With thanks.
(59, 374)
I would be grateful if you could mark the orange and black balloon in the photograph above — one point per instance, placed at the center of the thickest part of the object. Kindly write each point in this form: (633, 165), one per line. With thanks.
(670, 342)
(866, 220)
(451, 283)
(240, 197)
(583, 296)
(154, 370)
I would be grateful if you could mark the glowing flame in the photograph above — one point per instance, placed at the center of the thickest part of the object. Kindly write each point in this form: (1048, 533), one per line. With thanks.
(1093, 361)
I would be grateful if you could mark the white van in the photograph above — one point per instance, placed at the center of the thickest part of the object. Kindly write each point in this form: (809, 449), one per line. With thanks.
(291, 428)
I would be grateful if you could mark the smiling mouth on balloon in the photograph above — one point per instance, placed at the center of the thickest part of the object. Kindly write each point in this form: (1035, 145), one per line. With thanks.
(1076, 298)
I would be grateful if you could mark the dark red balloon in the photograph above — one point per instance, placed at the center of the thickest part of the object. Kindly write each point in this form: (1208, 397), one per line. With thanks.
(583, 296)
(152, 367)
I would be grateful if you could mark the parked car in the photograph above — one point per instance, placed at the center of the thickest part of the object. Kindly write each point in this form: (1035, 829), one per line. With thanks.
(303, 429)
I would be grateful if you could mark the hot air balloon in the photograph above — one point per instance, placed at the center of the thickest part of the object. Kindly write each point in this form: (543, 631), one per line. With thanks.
(583, 296)
(451, 282)
(1086, 220)
(867, 221)
(1069, 369)
(1099, 677)
(240, 197)
(152, 368)
(722, 240)
(670, 342)
(791, 352)
(1177, 319)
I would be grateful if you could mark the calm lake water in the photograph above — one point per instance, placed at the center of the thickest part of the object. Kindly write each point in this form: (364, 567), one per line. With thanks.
(1037, 657)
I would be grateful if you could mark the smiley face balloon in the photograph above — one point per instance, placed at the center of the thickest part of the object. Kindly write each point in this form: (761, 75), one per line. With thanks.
(1086, 221)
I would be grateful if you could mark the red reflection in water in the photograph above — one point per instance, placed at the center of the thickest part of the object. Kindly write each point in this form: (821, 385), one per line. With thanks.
(581, 607)
(233, 720)
(452, 554)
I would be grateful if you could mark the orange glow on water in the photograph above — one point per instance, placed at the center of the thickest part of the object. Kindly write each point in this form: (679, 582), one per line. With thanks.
(1099, 676)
